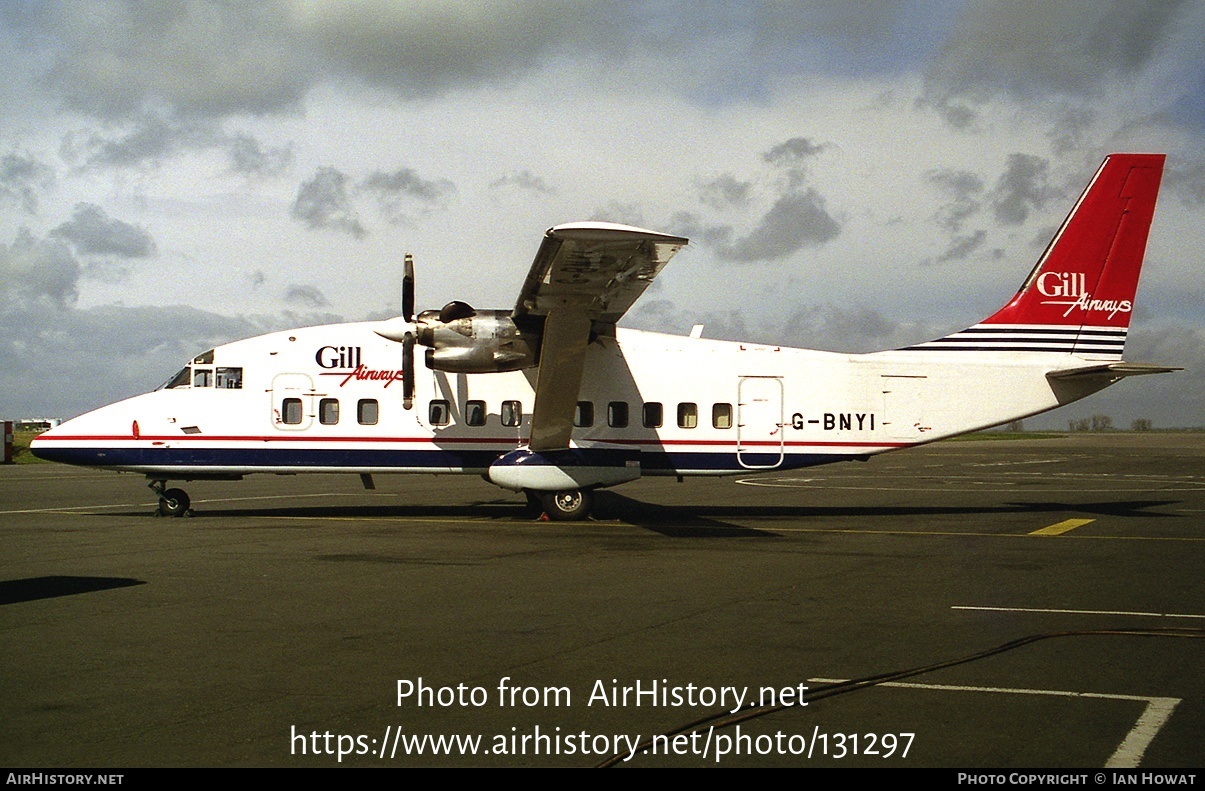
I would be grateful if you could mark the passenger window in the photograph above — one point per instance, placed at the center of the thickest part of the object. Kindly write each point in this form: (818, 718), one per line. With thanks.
(328, 411)
(688, 415)
(229, 378)
(366, 412)
(512, 413)
(474, 413)
(202, 377)
(583, 416)
(721, 416)
(617, 414)
(440, 415)
(290, 411)
(653, 414)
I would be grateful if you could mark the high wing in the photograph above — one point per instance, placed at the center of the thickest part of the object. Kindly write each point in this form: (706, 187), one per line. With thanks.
(584, 278)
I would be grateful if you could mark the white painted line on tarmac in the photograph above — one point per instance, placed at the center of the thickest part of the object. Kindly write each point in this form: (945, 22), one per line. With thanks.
(1081, 612)
(1127, 755)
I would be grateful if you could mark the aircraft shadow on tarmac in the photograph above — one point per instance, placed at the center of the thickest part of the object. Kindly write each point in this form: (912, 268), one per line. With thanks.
(34, 588)
(686, 521)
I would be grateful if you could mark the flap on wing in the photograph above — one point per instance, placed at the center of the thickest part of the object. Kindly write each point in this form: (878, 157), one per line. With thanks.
(597, 268)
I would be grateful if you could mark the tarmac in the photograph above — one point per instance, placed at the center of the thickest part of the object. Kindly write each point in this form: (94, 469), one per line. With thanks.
(1027, 603)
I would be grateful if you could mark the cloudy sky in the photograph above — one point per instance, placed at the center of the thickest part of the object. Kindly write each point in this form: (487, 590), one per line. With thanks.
(853, 176)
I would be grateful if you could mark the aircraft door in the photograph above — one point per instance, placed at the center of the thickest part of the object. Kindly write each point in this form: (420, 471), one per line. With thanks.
(292, 402)
(759, 434)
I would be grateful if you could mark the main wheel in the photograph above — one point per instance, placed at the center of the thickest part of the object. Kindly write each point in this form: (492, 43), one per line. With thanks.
(570, 505)
(173, 502)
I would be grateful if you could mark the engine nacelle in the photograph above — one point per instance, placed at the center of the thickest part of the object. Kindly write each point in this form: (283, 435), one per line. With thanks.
(463, 340)
(485, 359)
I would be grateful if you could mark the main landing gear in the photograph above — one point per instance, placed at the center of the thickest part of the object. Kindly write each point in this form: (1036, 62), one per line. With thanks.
(570, 505)
(172, 502)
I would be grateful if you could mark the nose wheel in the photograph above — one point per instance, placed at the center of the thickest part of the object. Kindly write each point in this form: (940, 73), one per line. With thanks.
(172, 502)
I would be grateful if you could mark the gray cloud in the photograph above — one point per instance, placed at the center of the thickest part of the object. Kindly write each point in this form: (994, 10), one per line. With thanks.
(20, 178)
(1023, 186)
(428, 49)
(796, 220)
(305, 296)
(248, 157)
(50, 360)
(792, 153)
(661, 315)
(854, 329)
(404, 184)
(1025, 47)
(322, 203)
(1186, 180)
(1067, 133)
(850, 329)
(1028, 49)
(34, 271)
(523, 180)
(962, 186)
(92, 232)
(726, 192)
(148, 140)
(205, 59)
(113, 58)
(961, 246)
(622, 213)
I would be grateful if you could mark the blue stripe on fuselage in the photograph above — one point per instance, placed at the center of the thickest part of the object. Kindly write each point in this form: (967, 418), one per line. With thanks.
(246, 459)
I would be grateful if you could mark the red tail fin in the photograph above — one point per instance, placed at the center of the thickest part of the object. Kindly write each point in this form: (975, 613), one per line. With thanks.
(1079, 297)
(1089, 272)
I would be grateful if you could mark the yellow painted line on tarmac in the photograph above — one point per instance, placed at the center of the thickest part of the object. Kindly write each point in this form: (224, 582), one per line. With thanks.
(1064, 526)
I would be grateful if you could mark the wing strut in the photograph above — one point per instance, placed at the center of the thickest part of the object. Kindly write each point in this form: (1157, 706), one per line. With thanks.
(562, 359)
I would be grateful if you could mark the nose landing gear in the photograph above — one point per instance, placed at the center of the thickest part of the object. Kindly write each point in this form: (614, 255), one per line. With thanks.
(172, 502)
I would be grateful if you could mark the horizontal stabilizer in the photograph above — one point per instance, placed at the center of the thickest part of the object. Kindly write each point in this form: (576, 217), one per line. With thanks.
(1112, 371)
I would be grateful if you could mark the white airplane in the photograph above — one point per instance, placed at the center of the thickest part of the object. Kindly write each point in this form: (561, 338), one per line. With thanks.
(551, 399)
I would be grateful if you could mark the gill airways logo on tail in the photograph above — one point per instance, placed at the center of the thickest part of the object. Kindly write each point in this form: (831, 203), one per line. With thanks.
(1073, 284)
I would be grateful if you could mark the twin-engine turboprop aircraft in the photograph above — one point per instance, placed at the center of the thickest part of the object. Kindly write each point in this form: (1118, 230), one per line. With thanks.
(551, 399)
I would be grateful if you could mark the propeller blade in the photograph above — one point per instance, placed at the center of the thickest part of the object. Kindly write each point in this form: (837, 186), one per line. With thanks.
(408, 290)
(408, 371)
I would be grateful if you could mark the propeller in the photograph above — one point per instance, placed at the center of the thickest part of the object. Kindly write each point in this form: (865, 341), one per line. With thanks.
(408, 338)
(401, 329)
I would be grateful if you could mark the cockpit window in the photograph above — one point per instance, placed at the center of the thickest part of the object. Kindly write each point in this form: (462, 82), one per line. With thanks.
(204, 359)
(229, 378)
(181, 379)
(202, 377)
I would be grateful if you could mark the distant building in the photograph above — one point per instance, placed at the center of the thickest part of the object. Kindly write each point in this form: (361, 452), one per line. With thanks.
(36, 423)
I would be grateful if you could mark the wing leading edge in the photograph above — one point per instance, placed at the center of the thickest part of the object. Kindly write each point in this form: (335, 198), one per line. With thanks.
(584, 278)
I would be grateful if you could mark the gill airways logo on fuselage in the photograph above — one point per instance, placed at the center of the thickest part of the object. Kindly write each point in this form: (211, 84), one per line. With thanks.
(1074, 286)
(345, 361)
